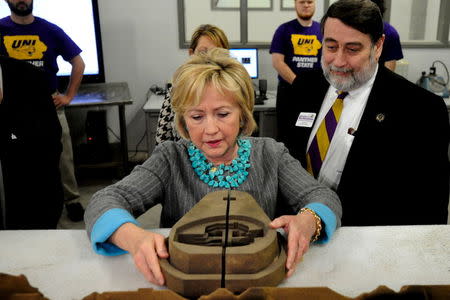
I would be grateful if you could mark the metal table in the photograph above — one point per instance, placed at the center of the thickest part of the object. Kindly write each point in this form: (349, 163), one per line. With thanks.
(107, 94)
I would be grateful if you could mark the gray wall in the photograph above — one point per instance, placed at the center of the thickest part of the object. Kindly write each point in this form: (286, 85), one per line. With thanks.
(140, 46)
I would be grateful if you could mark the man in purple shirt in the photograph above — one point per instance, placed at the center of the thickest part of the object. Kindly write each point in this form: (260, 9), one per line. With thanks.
(392, 49)
(296, 47)
(39, 42)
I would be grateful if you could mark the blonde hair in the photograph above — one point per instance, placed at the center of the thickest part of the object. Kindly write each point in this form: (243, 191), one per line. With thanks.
(225, 74)
(213, 32)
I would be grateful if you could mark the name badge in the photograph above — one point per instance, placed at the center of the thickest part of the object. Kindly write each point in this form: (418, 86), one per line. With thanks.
(305, 119)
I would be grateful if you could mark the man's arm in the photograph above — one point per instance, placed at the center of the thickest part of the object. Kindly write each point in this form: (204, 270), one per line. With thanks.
(76, 76)
(391, 65)
(282, 68)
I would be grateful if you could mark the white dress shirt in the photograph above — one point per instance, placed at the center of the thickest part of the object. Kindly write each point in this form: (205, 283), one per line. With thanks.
(354, 105)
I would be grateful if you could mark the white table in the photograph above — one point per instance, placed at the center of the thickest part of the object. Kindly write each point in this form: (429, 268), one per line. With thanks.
(358, 259)
(265, 115)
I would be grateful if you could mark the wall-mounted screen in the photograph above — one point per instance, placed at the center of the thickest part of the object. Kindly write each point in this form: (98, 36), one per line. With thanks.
(79, 19)
(248, 57)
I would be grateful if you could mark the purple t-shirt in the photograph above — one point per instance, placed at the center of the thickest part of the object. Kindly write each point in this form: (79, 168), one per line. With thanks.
(39, 43)
(301, 46)
(392, 49)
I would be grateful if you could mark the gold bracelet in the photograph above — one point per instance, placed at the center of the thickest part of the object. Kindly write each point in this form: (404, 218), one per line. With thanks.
(318, 223)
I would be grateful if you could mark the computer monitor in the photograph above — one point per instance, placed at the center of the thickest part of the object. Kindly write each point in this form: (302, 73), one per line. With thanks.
(80, 20)
(249, 58)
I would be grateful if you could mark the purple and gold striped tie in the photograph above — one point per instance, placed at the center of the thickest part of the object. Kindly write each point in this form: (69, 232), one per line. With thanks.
(321, 142)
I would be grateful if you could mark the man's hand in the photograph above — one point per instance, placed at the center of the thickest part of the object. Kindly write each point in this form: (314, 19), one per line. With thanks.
(76, 75)
(299, 228)
(146, 248)
(61, 100)
(282, 68)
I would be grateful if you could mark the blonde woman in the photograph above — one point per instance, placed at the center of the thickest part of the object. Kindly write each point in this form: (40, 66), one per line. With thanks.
(213, 99)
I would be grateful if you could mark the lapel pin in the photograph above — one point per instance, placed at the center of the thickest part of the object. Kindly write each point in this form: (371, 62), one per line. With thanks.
(380, 117)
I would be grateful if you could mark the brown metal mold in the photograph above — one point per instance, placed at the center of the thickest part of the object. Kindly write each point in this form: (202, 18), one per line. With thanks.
(252, 254)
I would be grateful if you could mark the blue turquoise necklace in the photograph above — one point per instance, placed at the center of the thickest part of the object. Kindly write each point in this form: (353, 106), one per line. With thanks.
(224, 176)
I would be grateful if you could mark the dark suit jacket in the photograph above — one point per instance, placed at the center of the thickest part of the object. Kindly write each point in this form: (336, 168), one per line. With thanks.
(397, 170)
(30, 148)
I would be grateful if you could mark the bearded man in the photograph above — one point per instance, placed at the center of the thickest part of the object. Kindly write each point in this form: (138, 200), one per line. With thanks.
(377, 139)
(26, 37)
(296, 47)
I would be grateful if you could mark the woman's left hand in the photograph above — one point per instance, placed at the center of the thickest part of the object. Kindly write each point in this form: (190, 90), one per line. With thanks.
(300, 229)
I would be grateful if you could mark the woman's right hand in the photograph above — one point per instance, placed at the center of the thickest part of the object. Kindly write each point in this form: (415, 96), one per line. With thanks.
(146, 247)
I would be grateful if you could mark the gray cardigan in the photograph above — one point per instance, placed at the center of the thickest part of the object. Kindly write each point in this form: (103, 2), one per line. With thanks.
(276, 180)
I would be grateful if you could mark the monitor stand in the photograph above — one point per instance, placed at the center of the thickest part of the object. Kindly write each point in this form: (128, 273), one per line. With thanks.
(262, 86)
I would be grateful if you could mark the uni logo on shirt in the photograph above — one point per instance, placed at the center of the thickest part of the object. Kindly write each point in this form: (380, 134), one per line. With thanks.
(305, 44)
(24, 46)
